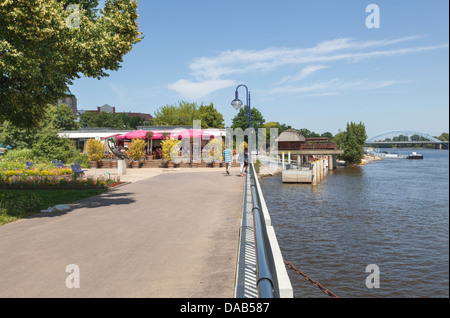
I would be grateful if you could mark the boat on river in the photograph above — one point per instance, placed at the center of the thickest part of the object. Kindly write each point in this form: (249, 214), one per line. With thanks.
(388, 155)
(415, 155)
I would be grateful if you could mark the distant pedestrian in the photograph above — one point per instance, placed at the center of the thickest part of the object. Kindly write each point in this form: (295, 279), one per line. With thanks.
(245, 161)
(227, 158)
(240, 159)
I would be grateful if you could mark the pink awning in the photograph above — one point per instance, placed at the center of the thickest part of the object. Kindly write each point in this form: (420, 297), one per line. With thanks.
(139, 134)
(189, 133)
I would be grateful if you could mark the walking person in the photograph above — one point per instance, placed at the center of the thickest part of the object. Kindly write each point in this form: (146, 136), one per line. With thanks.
(240, 159)
(227, 158)
(245, 161)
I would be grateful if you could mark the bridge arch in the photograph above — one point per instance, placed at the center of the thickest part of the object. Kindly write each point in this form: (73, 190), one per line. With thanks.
(406, 133)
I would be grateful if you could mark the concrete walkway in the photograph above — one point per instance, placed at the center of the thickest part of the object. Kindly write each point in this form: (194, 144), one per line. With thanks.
(167, 234)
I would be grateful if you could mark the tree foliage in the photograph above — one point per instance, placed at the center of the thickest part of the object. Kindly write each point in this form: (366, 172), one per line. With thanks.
(63, 117)
(184, 113)
(308, 133)
(42, 50)
(110, 120)
(241, 120)
(352, 142)
(443, 137)
(54, 118)
(210, 117)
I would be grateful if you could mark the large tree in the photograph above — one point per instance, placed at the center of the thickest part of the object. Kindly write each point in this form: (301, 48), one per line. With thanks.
(184, 113)
(210, 117)
(241, 119)
(45, 133)
(352, 142)
(443, 137)
(46, 44)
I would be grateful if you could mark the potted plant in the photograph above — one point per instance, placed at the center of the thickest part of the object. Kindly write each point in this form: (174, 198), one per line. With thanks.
(106, 160)
(169, 148)
(137, 150)
(216, 152)
(94, 151)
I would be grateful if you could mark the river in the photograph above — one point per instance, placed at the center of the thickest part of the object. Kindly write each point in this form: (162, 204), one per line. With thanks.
(392, 213)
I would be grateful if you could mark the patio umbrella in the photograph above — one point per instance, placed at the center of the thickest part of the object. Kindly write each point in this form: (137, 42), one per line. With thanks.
(189, 133)
(140, 134)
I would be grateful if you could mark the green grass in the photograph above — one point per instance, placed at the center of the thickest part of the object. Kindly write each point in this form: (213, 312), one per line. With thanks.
(50, 198)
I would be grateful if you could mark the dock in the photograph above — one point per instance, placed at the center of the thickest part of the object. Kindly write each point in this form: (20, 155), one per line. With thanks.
(313, 172)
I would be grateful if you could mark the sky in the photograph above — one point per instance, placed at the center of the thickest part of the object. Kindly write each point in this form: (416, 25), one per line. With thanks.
(309, 64)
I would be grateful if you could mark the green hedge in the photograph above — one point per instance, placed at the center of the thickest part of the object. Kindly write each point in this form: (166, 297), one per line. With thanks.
(15, 204)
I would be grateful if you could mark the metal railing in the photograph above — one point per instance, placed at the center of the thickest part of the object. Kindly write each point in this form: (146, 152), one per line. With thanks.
(264, 278)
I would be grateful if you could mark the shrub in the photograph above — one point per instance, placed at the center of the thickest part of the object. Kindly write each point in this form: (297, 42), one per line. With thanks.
(21, 155)
(169, 147)
(213, 150)
(258, 165)
(137, 149)
(52, 147)
(14, 204)
(94, 149)
(82, 159)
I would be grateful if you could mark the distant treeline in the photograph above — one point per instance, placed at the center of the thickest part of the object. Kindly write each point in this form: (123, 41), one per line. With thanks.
(413, 138)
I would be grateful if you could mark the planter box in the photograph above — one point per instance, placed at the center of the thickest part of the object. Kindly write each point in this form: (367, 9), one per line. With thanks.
(93, 164)
(154, 164)
(114, 164)
(136, 164)
(106, 163)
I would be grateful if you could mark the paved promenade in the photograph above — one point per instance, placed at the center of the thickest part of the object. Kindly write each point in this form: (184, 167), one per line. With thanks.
(167, 234)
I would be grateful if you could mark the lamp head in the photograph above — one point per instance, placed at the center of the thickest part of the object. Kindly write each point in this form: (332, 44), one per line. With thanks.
(236, 103)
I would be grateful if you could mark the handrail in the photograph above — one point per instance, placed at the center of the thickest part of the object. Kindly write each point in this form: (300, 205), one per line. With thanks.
(264, 280)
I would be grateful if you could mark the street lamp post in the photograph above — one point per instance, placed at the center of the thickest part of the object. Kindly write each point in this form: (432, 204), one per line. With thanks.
(237, 103)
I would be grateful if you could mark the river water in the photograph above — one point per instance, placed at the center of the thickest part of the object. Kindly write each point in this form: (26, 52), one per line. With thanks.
(392, 213)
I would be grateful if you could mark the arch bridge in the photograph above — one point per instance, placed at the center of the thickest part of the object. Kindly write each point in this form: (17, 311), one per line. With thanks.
(404, 137)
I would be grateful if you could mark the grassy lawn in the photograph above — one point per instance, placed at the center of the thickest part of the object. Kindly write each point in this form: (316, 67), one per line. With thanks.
(50, 198)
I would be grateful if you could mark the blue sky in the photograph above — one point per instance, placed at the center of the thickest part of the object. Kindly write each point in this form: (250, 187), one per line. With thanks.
(308, 64)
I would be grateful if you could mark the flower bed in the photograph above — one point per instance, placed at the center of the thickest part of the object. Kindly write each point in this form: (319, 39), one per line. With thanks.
(36, 172)
(61, 181)
(62, 177)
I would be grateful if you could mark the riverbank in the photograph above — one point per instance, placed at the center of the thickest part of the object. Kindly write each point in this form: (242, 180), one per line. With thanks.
(369, 158)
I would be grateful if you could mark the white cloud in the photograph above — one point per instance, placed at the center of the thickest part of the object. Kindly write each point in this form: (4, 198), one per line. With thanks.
(210, 73)
(196, 90)
(305, 72)
(333, 87)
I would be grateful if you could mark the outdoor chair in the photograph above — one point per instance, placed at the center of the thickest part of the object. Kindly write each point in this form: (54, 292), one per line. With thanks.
(58, 163)
(76, 169)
